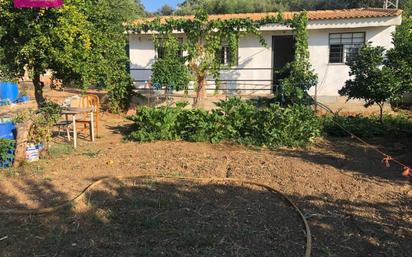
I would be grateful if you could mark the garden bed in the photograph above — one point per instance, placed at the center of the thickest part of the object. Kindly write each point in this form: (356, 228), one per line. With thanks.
(355, 206)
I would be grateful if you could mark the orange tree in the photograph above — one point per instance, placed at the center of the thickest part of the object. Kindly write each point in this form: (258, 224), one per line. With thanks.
(83, 43)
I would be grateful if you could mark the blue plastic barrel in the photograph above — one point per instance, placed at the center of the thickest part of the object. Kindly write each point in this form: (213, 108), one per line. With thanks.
(7, 130)
(9, 90)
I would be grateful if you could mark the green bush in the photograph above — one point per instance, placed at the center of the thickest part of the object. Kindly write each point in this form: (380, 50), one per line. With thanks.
(6, 151)
(234, 120)
(367, 126)
(155, 124)
(199, 126)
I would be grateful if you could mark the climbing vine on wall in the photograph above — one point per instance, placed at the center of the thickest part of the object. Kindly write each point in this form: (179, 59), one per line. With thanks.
(204, 38)
(301, 76)
(169, 70)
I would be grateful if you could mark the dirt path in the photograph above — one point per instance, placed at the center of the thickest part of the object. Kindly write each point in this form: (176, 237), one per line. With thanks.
(355, 206)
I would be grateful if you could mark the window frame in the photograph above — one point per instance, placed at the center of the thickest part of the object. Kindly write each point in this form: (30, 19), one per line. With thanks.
(225, 61)
(180, 53)
(344, 52)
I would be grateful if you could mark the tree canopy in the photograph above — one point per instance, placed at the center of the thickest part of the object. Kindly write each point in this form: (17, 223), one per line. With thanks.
(400, 57)
(243, 6)
(165, 10)
(83, 43)
(371, 80)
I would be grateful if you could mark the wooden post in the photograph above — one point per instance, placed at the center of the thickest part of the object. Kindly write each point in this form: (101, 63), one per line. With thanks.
(23, 130)
(74, 132)
(92, 125)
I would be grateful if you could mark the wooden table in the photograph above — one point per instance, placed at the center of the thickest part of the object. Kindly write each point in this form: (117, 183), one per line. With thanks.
(74, 112)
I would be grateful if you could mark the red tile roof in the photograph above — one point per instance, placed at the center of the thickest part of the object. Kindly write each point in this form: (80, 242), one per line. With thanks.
(312, 15)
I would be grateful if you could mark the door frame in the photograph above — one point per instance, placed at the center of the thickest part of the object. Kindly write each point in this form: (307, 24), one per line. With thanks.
(273, 56)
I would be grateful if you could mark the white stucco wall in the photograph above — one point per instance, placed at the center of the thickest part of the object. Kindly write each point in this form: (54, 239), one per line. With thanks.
(254, 70)
(332, 76)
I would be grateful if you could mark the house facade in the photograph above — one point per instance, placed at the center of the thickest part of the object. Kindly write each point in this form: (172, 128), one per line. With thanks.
(335, 36)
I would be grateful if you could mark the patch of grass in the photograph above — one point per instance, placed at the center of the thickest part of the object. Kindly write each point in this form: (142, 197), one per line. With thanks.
(60, 150)
(8, 172)
(38, 169)
(12, 172)
(92, 153)
(151, 222)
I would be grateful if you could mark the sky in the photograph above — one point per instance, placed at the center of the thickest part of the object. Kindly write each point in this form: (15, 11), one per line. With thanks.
(154, 5)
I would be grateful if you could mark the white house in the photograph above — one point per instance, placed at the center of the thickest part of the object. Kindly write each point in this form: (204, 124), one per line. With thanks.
(334, 36)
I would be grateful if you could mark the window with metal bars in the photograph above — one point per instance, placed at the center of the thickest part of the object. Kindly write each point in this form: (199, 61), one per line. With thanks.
(343, 47)
(161, 51)
(226, 56)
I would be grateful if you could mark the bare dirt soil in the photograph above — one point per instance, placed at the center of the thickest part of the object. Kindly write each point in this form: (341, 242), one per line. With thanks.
(355, 206)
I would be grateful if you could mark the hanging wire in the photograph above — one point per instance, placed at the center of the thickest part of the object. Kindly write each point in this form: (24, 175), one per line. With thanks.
(407, 171)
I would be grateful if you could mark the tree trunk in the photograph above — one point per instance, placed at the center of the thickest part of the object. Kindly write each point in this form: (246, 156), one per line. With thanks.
(201, 89)
(38, 90)
(23, 130)
(381, 112)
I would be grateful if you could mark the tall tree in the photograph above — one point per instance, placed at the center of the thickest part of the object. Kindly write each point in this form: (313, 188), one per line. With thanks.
(243, 6)
(82, 43)
(165, 10)
(400, 57)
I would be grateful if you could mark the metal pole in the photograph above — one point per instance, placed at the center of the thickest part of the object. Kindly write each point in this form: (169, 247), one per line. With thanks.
(316, 98)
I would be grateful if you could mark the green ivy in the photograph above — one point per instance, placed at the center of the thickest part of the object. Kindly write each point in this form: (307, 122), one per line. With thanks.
(205, 37)
(170, 70)
(301, 76)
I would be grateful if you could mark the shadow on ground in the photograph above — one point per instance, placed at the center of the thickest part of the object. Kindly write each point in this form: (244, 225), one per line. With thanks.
(158, 218)
(144, 217)
(346, 154)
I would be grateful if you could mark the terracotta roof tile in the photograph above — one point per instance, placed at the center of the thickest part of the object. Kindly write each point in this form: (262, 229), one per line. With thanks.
(312, 15)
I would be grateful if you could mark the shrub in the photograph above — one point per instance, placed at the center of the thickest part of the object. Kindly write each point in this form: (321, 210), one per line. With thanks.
(199, 126)
(370, 80)
(43, 120)
(6, 151)
(170, 70)
(234, 120)
(154, 124)
(367, 126)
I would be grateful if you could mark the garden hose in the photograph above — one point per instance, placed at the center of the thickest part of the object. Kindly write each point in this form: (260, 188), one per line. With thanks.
(39, 211)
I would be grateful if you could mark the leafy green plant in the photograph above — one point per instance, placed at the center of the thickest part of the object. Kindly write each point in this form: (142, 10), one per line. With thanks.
(399, 58)
(83, 43)
(365, 127)
(43, 120)
(301, 75)
(199, 126)
(234, 120)
(154, 124)
(371, 80)
(170, 70)
(60, 150)
(6, 151)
